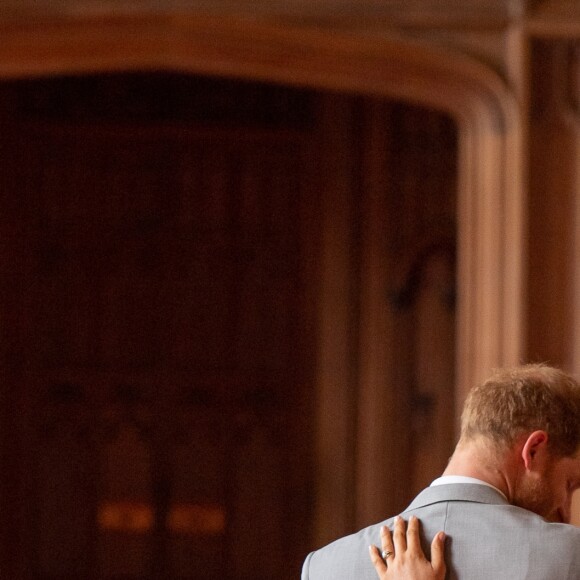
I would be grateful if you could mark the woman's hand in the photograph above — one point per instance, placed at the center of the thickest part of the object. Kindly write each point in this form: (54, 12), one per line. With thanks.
(405, 559)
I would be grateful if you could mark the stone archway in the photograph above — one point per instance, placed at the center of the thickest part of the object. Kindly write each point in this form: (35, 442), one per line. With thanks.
(490, 192)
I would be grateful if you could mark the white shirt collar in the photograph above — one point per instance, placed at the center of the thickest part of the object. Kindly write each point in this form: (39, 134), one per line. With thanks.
(446, 479)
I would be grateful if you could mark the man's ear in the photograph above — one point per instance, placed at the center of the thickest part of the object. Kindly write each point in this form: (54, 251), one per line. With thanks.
(535, 450)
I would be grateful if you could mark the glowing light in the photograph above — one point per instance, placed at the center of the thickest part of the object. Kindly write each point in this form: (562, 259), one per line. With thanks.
(126, 516)
(206, 519)
(184, 519)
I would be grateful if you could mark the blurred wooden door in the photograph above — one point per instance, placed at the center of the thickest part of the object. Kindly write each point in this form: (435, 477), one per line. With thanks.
(406, 405)
(156, 416)
(169, 246)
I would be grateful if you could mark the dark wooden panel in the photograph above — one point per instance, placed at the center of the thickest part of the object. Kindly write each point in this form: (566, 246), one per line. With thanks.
(155, 306)
(422, 247)
(553, 178)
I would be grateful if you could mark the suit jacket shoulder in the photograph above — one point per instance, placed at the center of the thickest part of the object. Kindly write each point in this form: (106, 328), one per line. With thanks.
(486, 538)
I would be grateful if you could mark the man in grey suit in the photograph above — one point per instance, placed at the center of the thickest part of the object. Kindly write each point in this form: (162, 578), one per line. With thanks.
(504, 500)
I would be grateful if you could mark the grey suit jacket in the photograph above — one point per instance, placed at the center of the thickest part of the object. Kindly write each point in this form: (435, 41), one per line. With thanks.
(487, 539)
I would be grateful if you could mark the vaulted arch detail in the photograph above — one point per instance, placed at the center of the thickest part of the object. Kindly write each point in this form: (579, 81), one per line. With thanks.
(490, 196)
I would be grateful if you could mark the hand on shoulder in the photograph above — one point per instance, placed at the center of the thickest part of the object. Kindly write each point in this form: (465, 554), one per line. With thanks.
(402, 558)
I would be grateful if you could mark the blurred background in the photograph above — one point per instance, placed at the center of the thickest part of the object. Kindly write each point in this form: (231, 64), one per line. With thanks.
(252, 257)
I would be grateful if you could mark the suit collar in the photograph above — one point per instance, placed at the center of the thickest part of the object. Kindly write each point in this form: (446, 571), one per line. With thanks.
(471, 492)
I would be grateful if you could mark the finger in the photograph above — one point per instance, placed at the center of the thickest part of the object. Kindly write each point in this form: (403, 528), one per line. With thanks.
(438, 554)
(378, 562)
(387, 540)
(399, 536)
(413, 541)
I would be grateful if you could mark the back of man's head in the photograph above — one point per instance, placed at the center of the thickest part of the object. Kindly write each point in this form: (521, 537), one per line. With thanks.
(523, 399)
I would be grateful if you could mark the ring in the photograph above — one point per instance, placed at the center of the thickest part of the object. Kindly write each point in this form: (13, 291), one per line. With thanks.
(385, 554)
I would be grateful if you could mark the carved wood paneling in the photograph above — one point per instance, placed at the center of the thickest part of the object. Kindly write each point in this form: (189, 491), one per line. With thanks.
(553, 168)
(407, 302)
(474, 13)
(424, 165)
(489, 118)
(163, 308)
(489, 323)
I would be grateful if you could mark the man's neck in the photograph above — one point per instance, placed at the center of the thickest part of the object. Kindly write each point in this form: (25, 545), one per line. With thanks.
(478, 461)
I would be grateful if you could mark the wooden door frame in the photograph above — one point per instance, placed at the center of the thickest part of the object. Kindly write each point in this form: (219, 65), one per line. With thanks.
(490, 188)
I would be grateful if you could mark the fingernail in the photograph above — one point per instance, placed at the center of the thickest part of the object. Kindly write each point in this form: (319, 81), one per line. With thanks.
(397, 518)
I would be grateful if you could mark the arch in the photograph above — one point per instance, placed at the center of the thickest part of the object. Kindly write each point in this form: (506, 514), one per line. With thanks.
(490, 188)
